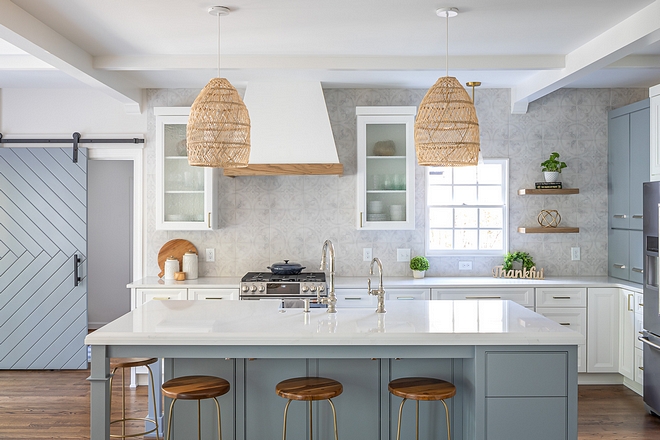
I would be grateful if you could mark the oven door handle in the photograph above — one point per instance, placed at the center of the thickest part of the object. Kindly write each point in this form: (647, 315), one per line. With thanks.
(645, 340)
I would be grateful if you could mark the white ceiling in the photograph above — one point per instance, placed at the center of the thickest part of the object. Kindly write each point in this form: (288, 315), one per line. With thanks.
(530, 46)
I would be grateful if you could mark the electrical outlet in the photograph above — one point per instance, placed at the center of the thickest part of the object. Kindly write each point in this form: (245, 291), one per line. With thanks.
(210, 254)
(465, 265)
(403, 255)
(575, 253)
(367, 255)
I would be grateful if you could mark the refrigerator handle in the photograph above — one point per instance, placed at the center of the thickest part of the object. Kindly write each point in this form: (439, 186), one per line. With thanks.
(645, 340)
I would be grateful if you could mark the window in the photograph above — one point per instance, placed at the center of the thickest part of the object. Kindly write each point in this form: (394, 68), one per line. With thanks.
(466, 209)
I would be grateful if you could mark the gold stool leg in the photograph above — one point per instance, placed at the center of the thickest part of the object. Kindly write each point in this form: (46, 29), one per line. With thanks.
(417, 419)
(398, 429)
(334, 416)
(286, 410)
(153, 396)
(447, 415)
(217, 405)
(309, 404)
(169, 420)
(199, 419)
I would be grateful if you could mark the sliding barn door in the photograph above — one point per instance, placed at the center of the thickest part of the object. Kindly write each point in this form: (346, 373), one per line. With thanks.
(43, 249)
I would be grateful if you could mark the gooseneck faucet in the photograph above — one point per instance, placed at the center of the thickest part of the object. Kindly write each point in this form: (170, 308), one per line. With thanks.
(331, 299)
(380, 292)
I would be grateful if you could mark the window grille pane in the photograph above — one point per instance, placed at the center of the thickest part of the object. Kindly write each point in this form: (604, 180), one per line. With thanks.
(465, 195)
(465, 175)
(490, 174)
(465, 239)
(441, 217)
(490, 239)
(440, 195)
(490, 195)
(441, 239)
(490, 218)
(466, 217)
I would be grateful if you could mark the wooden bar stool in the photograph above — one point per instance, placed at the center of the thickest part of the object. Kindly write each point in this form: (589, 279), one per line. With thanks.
(123, 363)
(421, 388)
(195, 388)
(309, 389)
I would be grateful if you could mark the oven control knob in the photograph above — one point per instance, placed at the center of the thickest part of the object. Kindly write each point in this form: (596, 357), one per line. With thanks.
(321, 288)
(262, 288)
(253, 288)
(305, 288)
(244, 288)
(312, 288)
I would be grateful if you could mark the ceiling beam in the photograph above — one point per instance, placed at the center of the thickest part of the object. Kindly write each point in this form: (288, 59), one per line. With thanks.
(627, 37)
(34, 37)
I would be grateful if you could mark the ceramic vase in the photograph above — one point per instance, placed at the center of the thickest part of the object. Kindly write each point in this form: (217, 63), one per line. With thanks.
(418, 273)
(551, 176)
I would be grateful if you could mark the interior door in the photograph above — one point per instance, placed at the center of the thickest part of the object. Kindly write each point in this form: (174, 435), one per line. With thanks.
(43, 249)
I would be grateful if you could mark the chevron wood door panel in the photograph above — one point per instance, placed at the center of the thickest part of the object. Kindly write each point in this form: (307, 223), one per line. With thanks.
(43, 228)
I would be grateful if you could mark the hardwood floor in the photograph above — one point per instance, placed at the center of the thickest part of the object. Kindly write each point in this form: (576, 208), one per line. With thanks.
(55, 405)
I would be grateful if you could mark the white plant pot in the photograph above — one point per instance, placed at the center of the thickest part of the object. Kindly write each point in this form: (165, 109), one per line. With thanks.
(418, 273)
(551, 176)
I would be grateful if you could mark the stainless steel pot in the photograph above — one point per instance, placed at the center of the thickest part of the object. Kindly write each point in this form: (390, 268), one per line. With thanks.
(286, 268)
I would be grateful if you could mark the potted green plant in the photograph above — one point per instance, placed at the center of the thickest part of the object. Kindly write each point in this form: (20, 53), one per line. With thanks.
(552, 167)
(419, 266)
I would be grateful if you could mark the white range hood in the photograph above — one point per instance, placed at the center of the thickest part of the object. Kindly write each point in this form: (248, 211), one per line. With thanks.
(290, 130)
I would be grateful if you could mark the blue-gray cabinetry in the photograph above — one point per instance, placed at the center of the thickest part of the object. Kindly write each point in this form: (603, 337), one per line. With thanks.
(628, 168)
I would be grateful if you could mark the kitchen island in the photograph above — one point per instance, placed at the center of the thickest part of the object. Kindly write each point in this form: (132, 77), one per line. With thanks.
(515, 371)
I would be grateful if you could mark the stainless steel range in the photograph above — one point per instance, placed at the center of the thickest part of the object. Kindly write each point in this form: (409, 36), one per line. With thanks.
(290, 289)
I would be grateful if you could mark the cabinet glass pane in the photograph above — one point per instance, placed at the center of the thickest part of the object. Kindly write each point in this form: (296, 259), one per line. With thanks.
(183, 184)
(386, 172)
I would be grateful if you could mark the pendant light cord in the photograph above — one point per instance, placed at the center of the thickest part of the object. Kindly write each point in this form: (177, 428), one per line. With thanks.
(218, 46)
(447, 47)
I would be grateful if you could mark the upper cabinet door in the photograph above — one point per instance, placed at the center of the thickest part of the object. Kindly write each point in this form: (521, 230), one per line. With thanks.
(185, 194)
(386, 168)
(619, 171)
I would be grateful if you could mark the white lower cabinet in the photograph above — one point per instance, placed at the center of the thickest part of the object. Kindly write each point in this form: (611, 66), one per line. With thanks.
(574, 318)
(627, 333)
(355, 298)
(603, 330)
(144, 295)
(521, 295)
(407, 294)
(213, 294)
(639, 366)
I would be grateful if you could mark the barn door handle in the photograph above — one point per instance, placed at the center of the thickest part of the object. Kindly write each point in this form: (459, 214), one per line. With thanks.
(76, 278)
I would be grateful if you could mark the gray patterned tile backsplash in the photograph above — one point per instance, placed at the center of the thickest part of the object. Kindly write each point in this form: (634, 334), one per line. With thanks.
(268, 219)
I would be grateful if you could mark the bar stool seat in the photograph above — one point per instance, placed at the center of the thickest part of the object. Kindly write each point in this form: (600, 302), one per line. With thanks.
(309, 389)
(422, 388)
(122, 363)
(195, 388)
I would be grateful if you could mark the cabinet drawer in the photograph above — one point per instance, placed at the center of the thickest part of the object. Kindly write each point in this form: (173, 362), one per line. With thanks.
(639, 303)
(144, 295)
(213, 294)
(639, 325)
(407, 294)
(522, 295)
(355, 298)
(561, 297)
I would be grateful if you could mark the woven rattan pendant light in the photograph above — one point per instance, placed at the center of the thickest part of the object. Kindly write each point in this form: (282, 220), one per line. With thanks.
(446, 128)
(218, 133)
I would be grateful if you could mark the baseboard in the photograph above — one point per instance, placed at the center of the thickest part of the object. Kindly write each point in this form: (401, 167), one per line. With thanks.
(600, 379)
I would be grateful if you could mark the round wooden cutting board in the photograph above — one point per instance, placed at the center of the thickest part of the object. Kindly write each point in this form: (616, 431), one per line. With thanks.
(174, 248)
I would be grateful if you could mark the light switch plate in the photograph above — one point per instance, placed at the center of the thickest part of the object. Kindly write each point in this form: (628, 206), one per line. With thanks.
(210, 254)
(465, 265)
(367, 255)
(403, 255)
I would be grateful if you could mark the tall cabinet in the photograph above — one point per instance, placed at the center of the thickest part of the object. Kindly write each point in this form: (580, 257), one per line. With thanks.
(628, 131)
(386, 168)
(185, 195)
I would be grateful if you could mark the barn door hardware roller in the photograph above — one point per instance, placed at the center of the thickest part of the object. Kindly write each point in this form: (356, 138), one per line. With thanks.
(75, 141)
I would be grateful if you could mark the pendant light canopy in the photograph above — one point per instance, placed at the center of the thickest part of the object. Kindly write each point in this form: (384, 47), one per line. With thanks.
(446, 128)
(218, 133)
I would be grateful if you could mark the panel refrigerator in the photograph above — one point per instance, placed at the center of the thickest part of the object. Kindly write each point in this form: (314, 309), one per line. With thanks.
(651, 333)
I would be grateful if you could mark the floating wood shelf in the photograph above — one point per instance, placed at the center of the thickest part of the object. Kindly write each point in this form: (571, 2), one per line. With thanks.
(541, 230)
(286, 169)
(531, 191)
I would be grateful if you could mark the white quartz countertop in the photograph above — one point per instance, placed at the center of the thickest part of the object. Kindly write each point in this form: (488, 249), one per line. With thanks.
(404, 282)
(258, 323)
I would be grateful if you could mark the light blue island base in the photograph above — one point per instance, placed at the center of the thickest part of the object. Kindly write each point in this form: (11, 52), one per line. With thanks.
(524, 386)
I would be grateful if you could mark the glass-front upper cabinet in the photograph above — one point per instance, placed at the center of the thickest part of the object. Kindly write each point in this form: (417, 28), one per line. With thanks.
(185, 194)
(386, 168)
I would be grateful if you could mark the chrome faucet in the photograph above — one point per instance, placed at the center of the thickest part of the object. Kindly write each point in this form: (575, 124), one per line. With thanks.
(331, 299)
(380, 292)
